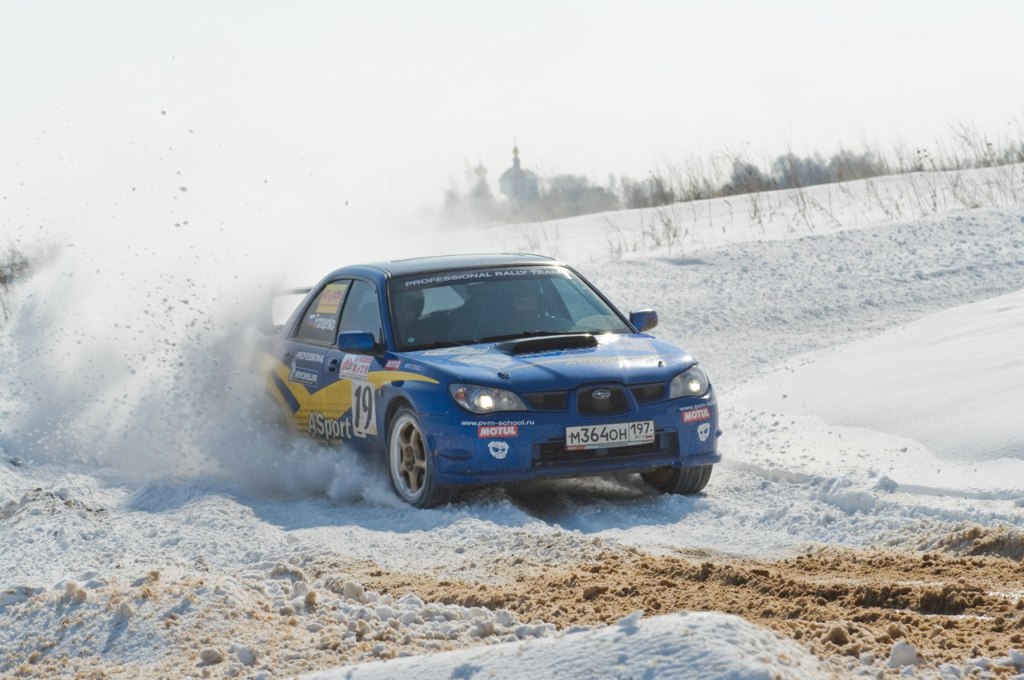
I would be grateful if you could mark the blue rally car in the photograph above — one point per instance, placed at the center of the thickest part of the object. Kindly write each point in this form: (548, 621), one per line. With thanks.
(479, 369)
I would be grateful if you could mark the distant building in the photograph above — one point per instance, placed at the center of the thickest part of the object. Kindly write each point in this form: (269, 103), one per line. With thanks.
(518, 185)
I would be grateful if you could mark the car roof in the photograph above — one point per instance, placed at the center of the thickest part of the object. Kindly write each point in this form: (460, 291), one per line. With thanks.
(422, 265)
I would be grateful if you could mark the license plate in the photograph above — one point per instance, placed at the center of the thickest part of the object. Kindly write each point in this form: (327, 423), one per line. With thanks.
(609, 436)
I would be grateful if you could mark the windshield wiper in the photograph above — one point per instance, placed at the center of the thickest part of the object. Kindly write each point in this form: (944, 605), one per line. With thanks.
(516, 336)
(436, 344)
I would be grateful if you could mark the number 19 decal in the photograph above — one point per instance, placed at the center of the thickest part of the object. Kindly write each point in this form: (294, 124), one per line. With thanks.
(364, 409)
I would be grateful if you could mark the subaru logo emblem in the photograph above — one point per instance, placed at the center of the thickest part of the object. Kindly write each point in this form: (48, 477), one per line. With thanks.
(601, 394)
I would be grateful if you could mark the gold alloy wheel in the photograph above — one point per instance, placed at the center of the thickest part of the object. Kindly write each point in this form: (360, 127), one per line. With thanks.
(414, 461)
(408, 456)
(411, 470)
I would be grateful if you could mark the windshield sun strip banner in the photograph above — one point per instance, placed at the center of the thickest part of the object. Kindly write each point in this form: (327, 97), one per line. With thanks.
(472, 275)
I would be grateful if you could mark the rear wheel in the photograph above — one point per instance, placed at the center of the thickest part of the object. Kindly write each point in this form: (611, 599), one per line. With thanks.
(679, 480)
(410, 466)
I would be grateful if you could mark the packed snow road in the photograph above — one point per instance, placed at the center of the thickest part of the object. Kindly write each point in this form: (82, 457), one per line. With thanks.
(204, 545)
(745, 307)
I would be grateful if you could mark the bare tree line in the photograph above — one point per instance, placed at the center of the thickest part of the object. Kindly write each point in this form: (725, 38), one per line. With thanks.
(723, 175)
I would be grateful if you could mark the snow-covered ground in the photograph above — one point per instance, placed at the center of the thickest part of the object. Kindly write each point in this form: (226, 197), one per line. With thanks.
(866, 340)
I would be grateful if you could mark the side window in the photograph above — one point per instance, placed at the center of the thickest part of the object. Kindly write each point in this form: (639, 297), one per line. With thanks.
(320, 323)
(362, 311)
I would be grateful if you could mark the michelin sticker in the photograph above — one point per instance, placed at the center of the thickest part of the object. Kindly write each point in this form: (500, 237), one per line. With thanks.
(498, 449)
(303, 376)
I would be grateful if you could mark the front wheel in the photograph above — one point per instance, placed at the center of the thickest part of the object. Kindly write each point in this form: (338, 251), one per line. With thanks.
(409, 464)
(679, 480)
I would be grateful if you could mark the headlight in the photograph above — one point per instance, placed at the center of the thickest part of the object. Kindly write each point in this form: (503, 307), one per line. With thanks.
(480, 399)
(693, 382)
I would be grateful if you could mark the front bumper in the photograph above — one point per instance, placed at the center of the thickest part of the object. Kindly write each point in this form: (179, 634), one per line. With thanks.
(468, 449)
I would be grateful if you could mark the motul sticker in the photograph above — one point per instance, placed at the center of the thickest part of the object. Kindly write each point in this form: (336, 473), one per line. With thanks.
(392, 365)
(696, 415)
(495, 431)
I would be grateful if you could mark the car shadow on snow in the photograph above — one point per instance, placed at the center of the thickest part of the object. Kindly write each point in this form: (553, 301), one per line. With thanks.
(583, 504)
(361, 498)
(594, 504)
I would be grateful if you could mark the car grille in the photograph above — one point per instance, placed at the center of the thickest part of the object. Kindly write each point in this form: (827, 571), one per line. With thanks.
(649, 392)
(586, 404)
(547, 401)
(614, 401)
(553, 453)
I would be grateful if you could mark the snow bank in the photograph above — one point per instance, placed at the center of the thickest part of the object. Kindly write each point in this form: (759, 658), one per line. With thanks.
(948, 387)
(686, 645)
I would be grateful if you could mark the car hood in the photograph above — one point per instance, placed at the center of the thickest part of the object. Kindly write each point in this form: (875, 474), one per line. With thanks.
(560, 360)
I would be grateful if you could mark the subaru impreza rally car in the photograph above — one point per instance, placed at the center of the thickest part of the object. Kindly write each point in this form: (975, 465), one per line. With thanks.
(480, 369)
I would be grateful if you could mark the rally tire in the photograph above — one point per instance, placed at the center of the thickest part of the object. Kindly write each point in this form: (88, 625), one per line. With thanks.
(684, 481)
(409, 463)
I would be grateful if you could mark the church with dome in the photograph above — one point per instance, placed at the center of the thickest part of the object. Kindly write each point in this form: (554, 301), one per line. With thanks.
(519, 186)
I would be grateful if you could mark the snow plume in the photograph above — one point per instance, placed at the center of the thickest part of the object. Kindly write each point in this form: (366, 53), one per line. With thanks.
(119, 347)
(128, 345)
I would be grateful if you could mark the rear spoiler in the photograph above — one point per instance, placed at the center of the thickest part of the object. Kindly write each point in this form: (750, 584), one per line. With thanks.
(279, 306)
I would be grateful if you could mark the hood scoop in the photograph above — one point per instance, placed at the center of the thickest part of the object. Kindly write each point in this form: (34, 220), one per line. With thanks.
(547, 343)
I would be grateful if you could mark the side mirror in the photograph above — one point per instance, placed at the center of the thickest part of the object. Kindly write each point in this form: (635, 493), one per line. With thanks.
(643, 319)
(357, 342)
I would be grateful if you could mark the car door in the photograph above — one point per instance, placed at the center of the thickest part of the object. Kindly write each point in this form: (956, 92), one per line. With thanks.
(349, 394)
(298, 376)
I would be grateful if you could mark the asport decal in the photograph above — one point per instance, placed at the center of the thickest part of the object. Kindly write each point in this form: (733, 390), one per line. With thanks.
(327, 429)
(696, 414)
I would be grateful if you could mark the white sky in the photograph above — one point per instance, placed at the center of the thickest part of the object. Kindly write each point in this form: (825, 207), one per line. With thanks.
(375, 102)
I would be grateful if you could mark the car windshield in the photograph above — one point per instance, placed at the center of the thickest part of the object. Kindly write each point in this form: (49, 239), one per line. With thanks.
(445, 309)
